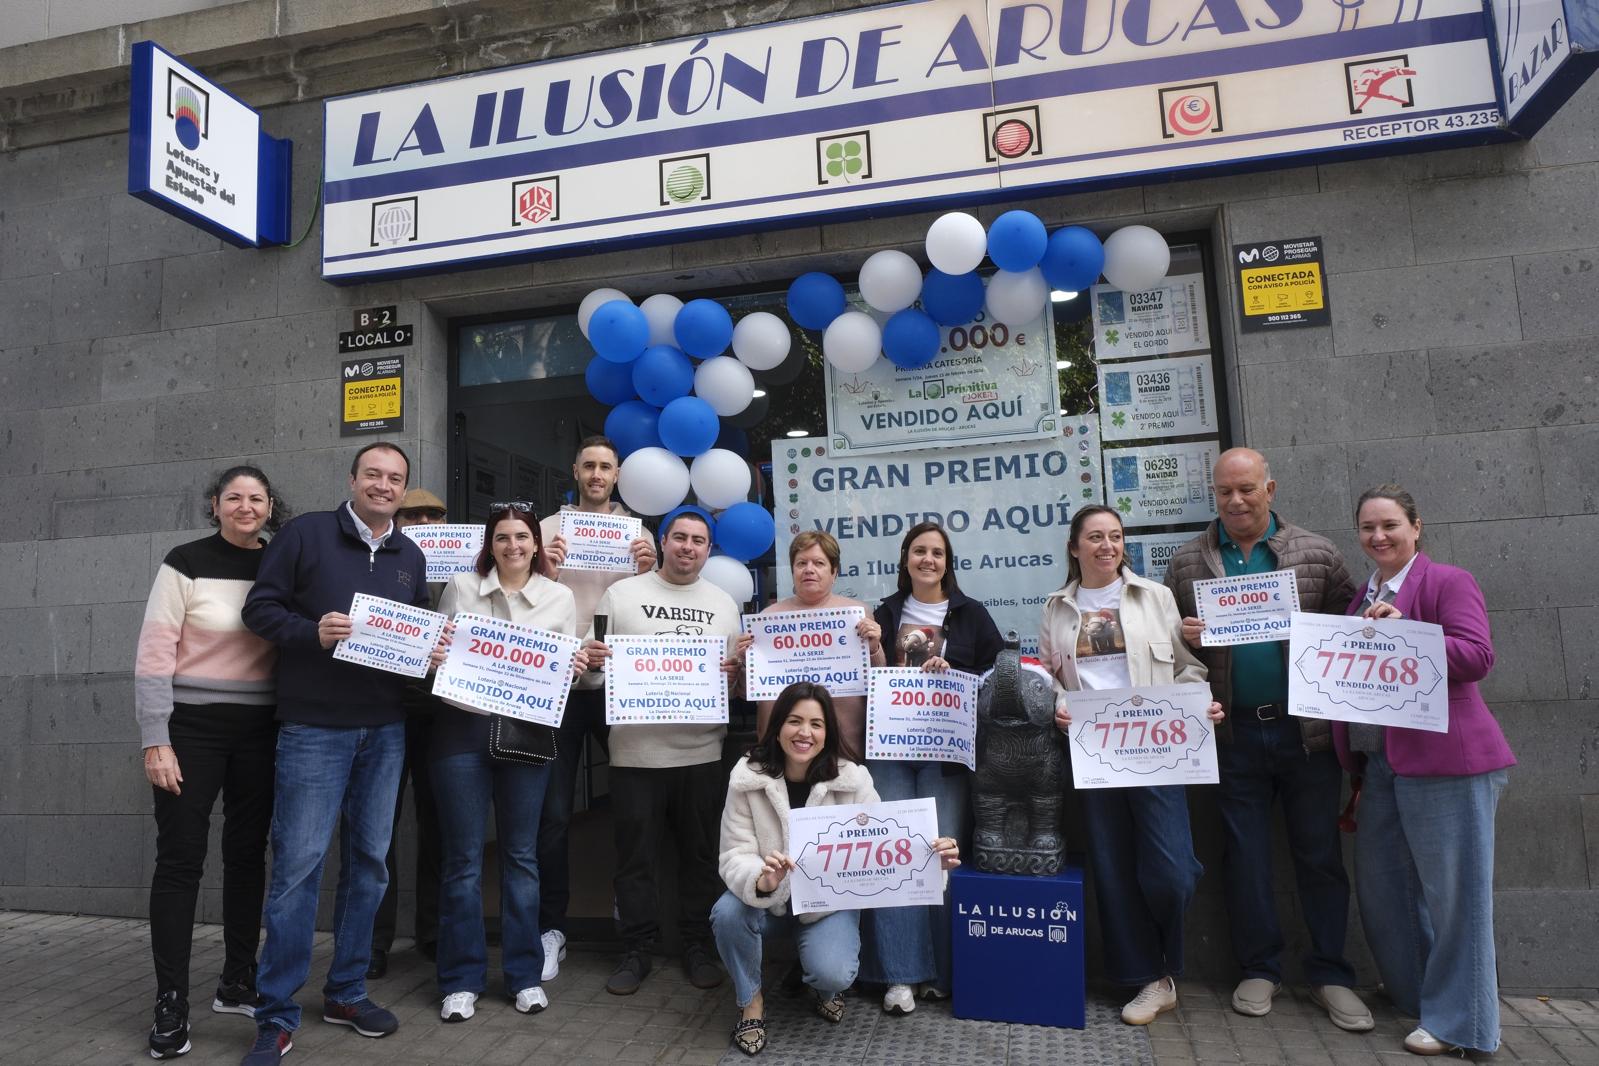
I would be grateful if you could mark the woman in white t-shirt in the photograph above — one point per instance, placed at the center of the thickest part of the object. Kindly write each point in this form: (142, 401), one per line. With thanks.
(1109, 628)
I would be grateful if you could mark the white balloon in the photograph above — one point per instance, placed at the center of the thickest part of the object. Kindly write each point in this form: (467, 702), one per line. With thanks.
(852, 342)
(653, 481)
(1136, 258)
(1015, 299)
(890, 280)
(761, 340)
(720, 478)
(661, 311)
(724, 383)
(956, 243)
(731, 576)
(593, 302)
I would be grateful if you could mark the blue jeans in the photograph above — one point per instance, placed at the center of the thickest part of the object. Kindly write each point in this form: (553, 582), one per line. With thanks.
(829, 948)
(909, 945)
(1424, 871)
(1265, 763)
(1141, 853)
(464, 785)
(327, 778)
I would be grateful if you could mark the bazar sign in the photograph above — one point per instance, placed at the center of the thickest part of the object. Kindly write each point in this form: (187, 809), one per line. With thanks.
(878, 107)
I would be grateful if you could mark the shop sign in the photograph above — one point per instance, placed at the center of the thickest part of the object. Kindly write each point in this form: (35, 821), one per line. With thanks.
(989, 383)
(1007, 508)
(1281, 285)
(1544, 50)
(198, 153)
(891, 107)
(371, 395)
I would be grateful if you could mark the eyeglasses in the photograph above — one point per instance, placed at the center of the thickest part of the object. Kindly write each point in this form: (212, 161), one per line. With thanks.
(512, 505)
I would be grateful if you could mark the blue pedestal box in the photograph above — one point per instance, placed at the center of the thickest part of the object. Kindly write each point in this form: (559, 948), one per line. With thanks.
(1018, 947)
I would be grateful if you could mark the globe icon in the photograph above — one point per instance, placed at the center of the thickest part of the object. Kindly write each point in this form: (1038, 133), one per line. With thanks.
(394, 223)
(685, 183)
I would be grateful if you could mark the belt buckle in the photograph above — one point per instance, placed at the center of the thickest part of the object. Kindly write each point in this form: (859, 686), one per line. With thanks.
(1274, 708)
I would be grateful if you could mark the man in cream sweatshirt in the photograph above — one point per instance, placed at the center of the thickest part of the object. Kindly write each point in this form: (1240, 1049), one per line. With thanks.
(667, 780)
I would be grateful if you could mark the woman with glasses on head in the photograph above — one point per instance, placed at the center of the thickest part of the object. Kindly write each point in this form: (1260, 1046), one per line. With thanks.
(204, 695)
(1424, 847)
(507, 583)
(929, 622)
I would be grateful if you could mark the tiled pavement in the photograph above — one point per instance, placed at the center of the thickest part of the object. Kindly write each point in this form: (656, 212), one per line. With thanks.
(78, 990)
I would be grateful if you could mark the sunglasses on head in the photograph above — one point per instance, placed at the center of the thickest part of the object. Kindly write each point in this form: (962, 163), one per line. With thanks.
(511, 505)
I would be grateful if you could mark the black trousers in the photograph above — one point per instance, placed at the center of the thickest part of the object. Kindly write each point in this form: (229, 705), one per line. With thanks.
(226, 749)
(651, 806)
(429, 853)
(585, 716)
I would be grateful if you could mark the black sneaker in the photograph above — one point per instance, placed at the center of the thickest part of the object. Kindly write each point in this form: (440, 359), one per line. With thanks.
(169, 1035)
(699, 964)
(635, 966)
(237, 997)
(364, 1016)
(271, 1044)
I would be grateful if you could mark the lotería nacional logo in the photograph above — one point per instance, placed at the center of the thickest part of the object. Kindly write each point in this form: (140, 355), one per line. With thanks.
(535, 200)
(1012, 134)
(1381, 85)
(189, 108)
(844, 158)
(685, 179)
(394, 221)
(1190, 110)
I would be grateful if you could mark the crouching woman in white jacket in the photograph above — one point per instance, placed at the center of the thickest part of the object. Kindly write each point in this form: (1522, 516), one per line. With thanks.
(798, 762)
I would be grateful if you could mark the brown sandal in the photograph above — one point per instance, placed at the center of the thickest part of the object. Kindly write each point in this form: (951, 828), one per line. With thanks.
(831, 1008)
(749, 1036)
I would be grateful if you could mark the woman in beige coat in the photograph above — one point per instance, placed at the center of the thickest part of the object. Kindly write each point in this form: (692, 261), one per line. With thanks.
(796, 763)
(1111, 629)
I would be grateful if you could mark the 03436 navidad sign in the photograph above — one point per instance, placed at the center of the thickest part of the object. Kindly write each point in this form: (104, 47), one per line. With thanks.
(884, 108)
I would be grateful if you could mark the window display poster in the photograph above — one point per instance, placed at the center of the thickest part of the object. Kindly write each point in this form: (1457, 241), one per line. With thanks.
(1157, 398)
(1165, 320)
(1162, 484)
(988, 383)
(1007, 508)
(1150, 553)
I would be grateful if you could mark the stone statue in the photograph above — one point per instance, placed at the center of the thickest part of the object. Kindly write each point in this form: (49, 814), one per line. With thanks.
(1020, 760)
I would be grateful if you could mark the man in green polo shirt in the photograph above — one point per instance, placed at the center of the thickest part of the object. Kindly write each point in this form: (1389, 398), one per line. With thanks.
(1266, 756)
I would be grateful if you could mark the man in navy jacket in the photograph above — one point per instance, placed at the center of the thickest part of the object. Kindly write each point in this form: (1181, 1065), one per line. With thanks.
(340, 746)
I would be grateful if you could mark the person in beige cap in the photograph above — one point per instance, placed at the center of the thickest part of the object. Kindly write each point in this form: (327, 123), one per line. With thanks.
(418, 507)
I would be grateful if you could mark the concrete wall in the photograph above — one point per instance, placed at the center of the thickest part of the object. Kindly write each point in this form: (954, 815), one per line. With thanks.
(23, 21)
(137, 355)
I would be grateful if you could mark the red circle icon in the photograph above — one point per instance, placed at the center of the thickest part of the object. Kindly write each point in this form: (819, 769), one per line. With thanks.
(1190, 115)
(1012, 138)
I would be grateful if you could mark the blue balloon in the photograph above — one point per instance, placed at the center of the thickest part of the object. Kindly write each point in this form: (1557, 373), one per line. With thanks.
(815, 299)
(689, 426)
(703, 328)
(952, 299)
(662, 374)
(608, 382)
(1016, 242)
(619, 331)
(633, 425)
(1073, 260)
(687, 508)
(911, 339)
(745, 531)
(734, 439)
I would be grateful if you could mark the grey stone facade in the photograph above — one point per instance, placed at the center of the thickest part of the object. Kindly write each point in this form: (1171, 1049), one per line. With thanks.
(137, 355)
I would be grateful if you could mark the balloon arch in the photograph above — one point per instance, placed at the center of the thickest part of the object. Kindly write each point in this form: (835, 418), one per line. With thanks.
(677, 398)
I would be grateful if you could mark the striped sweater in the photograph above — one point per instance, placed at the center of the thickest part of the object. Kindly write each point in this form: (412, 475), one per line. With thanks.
(193, 646)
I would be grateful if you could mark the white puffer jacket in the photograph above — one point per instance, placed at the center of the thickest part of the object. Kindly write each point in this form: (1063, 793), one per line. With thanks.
(755, 824)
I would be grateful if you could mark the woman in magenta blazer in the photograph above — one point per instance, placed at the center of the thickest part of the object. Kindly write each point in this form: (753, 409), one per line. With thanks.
(1425, 845)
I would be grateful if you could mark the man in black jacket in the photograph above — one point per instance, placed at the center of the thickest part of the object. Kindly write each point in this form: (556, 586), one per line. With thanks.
(340, 746)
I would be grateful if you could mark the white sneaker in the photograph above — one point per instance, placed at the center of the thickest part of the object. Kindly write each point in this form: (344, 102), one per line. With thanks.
(899, 999)
(554, 953)
(531, 1000)
(458, 1006)
(1153, 1000)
